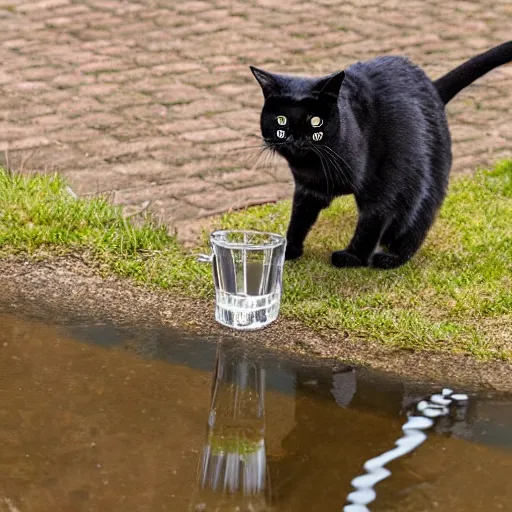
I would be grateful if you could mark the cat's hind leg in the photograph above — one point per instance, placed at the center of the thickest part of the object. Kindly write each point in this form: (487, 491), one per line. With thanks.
(363, 244)
(402, 248)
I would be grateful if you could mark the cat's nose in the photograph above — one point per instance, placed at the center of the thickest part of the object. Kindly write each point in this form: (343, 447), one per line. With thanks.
(294, 141)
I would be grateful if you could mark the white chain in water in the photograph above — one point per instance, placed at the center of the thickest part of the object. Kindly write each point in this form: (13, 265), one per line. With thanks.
(427, 410)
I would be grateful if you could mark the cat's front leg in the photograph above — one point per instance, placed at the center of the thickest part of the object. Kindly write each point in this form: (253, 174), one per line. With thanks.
(305, 210)
(363, 244)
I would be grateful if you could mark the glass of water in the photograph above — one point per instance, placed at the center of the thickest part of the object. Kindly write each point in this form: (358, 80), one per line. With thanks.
(247, 272)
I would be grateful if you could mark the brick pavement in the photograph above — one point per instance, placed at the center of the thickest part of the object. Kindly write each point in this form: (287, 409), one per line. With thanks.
(153, 99)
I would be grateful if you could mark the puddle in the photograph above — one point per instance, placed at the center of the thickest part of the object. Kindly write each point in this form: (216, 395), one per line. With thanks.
(97, 416)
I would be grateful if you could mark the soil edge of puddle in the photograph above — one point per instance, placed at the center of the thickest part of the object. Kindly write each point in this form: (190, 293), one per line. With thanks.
(68, 284)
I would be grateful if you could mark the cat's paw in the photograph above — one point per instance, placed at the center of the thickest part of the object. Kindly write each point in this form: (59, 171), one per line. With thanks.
(386, 260)
(293, 252)
(343, 259)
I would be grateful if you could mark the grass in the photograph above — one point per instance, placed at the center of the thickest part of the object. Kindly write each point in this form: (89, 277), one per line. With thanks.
(454, 296)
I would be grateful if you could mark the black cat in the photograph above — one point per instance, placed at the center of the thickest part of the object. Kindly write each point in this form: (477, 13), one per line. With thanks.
(377, 130)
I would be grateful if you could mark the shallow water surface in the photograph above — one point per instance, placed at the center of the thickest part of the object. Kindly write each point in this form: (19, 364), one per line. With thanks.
(103, 417)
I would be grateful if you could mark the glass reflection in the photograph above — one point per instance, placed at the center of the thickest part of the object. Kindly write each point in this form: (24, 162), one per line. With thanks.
(232, 472)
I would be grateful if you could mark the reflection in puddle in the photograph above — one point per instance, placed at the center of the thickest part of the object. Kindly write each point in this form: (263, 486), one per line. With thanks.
(97, 416)
(233, 468)
(233, 474)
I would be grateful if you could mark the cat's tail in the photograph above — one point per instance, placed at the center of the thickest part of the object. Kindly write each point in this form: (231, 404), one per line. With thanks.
(453, 82)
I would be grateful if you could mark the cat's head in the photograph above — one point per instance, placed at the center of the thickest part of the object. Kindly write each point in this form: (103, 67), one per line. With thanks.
(299, 113)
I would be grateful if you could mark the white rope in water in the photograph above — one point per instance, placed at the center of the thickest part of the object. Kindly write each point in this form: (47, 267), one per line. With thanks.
(426, 411)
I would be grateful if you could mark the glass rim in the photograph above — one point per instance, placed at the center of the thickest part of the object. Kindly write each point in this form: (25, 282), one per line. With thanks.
(275, 240)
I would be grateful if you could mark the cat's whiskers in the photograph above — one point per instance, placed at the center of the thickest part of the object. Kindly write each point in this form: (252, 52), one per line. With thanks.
(272, 156)
(260, 157)
(335, 169)
(345, 171)
(325, 168)
(336, 173)
(269, 158)
(249, 158)
(339, 157)
(344, 179)
(245, 148)
(269, 152)
(266, 148)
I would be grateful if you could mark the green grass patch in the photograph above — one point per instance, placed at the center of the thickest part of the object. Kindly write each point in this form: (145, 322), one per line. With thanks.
(454, 296)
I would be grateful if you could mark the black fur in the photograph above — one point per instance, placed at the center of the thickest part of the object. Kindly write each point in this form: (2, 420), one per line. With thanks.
(385, 140)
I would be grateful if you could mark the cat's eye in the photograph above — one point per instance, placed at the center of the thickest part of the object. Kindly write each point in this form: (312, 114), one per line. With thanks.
(316, 122)
(281, 120)
(281, 134)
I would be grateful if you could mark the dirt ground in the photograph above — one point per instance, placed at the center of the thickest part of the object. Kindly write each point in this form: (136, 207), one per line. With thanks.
(66, 286)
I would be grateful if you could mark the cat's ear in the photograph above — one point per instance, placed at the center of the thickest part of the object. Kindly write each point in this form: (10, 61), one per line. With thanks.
(330, 85)
(268, 82)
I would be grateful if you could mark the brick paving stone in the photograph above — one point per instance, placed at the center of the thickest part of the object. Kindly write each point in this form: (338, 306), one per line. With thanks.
(30, 143)
(175, 189)
(240, 179)
(211, 135)
(154, 100)
(188, 126)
